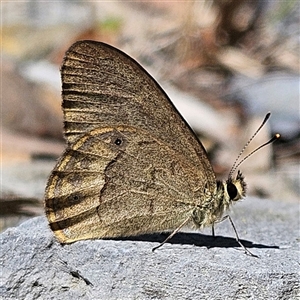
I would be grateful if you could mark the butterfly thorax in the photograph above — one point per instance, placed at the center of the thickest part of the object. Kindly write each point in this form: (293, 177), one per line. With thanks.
(216, 203)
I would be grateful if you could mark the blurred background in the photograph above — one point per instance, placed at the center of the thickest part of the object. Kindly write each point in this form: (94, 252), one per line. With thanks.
(224, 64)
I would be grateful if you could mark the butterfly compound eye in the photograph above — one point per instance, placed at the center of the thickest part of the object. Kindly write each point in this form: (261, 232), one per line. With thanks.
(231, 190)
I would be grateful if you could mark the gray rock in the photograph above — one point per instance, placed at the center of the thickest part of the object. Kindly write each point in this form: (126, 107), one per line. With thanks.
(192, 266)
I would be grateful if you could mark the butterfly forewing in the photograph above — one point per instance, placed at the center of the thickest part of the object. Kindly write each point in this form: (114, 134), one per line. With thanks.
(103, 87)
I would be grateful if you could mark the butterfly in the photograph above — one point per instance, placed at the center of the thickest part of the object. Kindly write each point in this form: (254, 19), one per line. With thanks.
(132, 164)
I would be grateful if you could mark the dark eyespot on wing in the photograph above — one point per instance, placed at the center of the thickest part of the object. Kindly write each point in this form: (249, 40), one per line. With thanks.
(118, 141)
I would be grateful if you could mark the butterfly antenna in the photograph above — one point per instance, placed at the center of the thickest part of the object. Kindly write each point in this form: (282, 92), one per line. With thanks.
(236, 164)
(273, 139)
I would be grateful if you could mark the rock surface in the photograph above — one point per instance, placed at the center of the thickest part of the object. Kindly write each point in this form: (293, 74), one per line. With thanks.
(192, 266)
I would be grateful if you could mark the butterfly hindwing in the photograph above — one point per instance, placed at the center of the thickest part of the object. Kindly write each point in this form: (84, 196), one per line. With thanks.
(104, 187)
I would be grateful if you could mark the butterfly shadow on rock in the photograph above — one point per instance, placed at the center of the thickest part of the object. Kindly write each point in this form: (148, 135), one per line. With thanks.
(196, 239)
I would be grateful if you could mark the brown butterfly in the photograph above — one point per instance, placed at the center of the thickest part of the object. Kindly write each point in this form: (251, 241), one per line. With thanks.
(132, 164)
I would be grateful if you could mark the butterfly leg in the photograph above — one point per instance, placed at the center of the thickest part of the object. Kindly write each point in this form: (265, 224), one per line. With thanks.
(213, 225)
(237, 236)
(172, 234)
(212, 232)
(213, 229)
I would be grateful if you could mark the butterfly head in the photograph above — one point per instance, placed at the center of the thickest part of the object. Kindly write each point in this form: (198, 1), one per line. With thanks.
(231, 190)
(235, 188)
